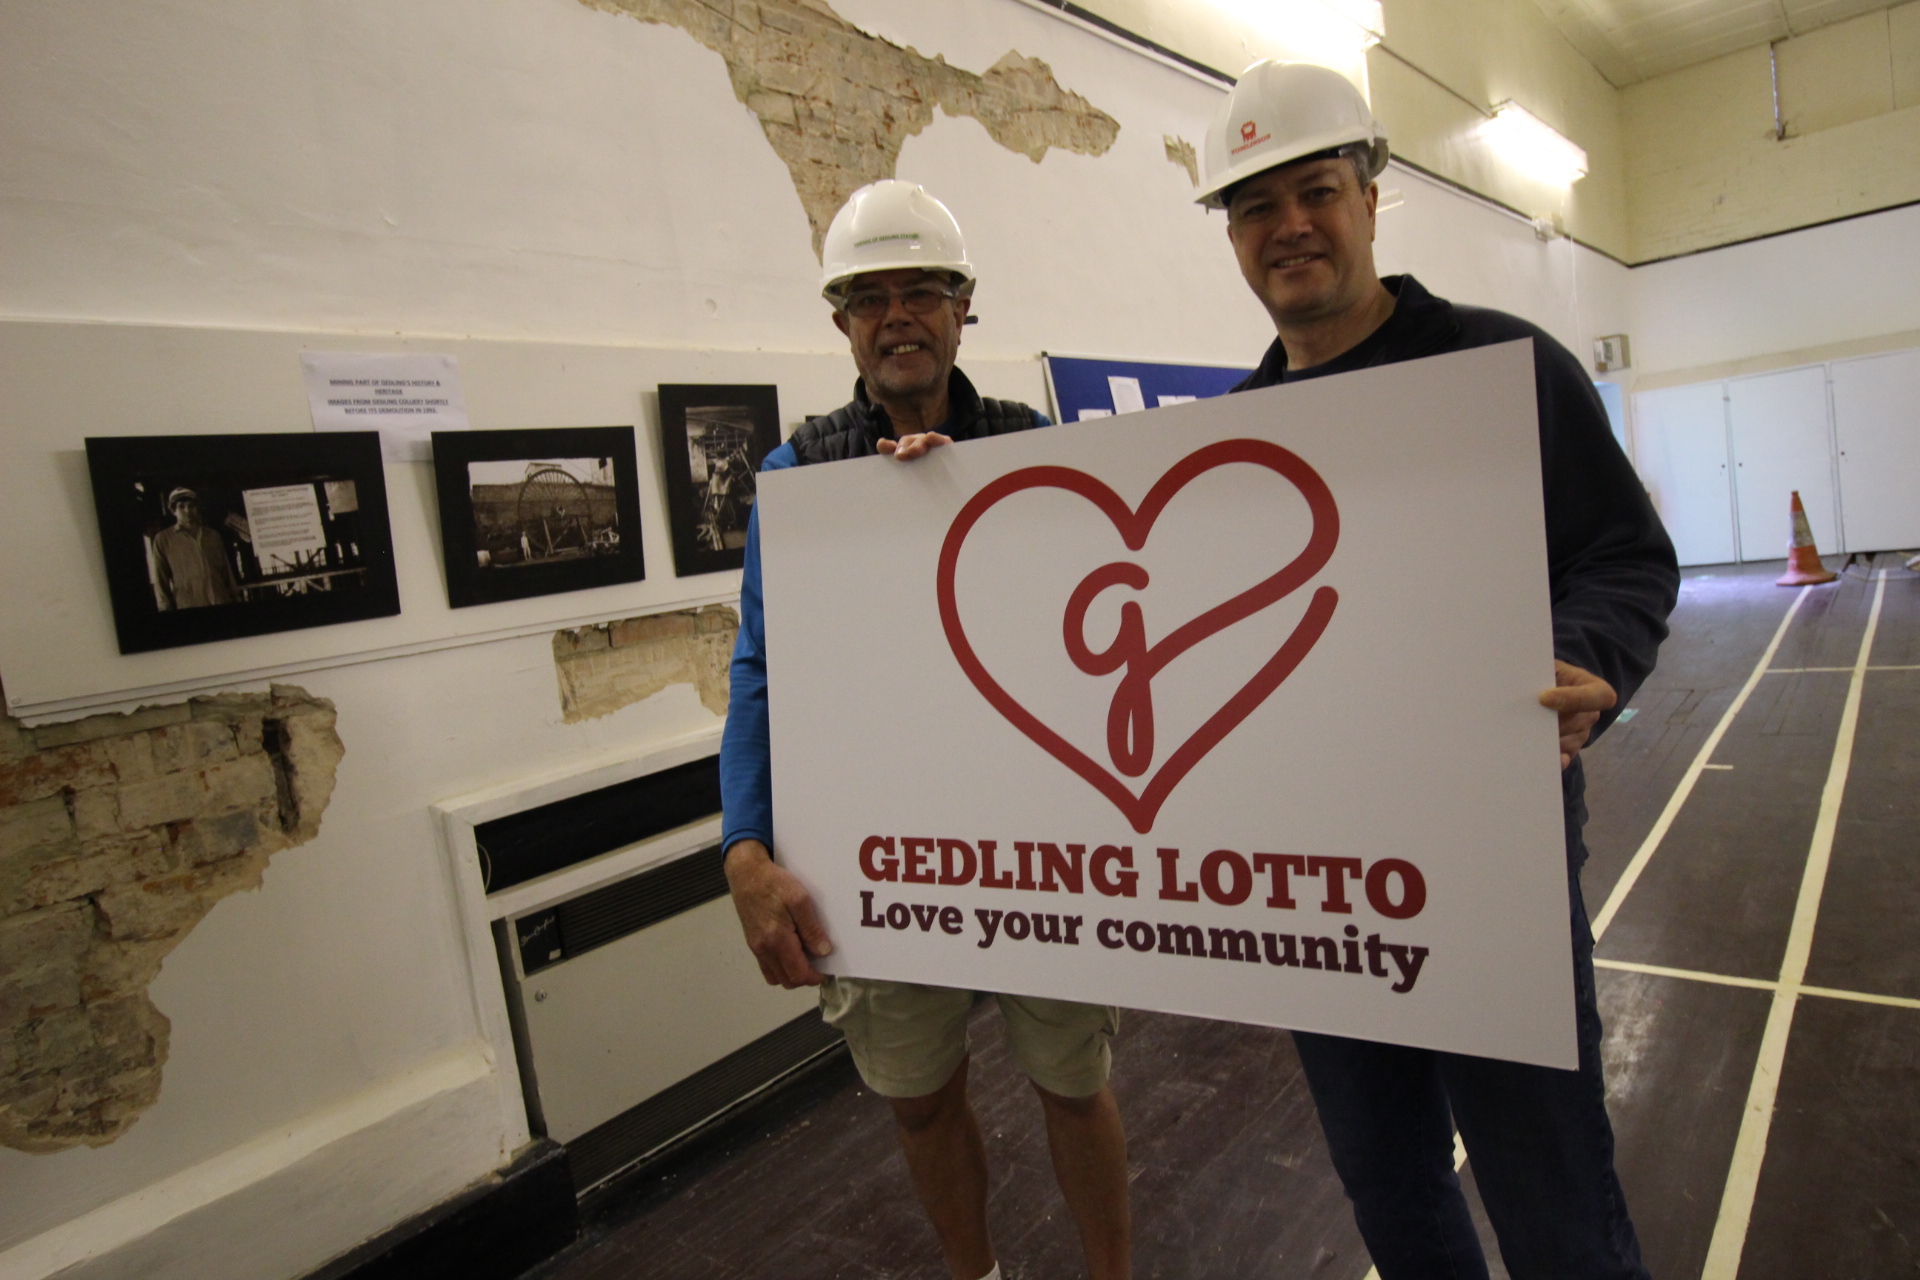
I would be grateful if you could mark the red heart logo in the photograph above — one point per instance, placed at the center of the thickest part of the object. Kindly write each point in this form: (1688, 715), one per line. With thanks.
(1130, 715)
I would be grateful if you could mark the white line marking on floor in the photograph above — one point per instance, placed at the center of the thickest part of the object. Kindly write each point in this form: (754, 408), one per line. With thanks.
(1802, 671)
(1459, 1159)
(1864, 997)
(1758, 984)
(1750, 1149)
(1691, 975)
(1645, 853)
(1722, 767)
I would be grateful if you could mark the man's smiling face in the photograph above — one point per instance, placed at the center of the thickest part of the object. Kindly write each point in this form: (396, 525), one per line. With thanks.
(902, 355)
(1303, 234)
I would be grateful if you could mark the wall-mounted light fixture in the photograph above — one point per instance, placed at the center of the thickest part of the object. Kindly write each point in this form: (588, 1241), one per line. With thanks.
(1533, 146)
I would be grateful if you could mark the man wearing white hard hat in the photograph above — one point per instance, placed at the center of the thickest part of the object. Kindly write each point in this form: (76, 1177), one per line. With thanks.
(897, 274)
(1291, 159)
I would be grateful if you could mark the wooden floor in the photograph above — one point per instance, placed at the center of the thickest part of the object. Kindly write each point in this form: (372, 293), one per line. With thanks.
(1758, 907)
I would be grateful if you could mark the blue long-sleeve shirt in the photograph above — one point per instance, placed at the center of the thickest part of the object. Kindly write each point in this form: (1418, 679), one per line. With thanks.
(746, 754)
(746, 750)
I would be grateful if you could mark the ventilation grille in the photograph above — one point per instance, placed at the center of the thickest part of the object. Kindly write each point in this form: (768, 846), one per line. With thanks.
(591, 920)
(534, 842)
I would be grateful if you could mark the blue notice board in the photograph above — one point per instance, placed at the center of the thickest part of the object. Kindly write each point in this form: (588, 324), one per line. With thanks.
(1082, 387)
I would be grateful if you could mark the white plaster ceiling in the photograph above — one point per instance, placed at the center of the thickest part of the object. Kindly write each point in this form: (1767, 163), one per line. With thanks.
(1634, 40)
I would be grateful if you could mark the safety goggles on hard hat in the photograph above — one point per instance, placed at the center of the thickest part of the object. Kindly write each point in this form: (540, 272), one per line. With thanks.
(1354, 154)
(917, 300)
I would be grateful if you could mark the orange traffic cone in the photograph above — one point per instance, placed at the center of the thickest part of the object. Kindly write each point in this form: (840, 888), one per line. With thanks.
(1803, 558)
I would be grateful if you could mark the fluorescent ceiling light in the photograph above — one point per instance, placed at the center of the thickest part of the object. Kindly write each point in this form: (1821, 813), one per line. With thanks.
(1533, 146)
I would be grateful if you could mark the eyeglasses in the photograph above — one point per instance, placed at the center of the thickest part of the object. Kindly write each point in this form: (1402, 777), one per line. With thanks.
(922, 299)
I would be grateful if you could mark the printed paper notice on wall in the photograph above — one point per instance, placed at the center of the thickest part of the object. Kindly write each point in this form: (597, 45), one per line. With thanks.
(1162, 673)
(405, 396)
(1127, 397)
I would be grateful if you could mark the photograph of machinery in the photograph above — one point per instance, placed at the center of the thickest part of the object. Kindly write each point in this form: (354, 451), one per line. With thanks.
(530, 512)
(713, 439)
(536, 511)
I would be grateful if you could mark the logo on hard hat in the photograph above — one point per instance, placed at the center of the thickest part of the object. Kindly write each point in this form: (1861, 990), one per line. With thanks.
(1250, 136)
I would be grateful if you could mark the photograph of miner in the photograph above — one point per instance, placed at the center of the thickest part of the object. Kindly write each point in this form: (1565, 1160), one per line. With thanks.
(255, 526)
(713, 438)
(537, 511)
(210, 541)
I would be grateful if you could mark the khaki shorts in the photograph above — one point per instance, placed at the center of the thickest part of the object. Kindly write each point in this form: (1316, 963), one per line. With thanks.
(907, 1040)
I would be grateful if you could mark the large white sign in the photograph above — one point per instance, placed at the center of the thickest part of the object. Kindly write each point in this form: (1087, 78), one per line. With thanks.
(1224, 709)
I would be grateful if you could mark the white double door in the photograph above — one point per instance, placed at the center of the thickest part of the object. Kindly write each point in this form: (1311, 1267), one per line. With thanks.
(1876, 414)
(1781, 433)
(1722, 459)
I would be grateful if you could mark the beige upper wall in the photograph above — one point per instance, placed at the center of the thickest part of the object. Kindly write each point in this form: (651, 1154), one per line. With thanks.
(1704, 167)
(1679, 163)
(1490, 51)
(1443, 66)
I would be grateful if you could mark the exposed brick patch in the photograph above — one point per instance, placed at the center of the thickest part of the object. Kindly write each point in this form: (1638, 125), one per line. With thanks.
(117, 834)
(604, 668)
(837, 104)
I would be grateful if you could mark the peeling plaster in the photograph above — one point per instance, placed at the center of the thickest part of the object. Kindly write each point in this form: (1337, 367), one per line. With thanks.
(602, 669)
(837, 104)
(118, 833)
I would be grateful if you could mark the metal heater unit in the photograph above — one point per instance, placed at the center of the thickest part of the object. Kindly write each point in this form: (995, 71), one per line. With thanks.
(639, 1016)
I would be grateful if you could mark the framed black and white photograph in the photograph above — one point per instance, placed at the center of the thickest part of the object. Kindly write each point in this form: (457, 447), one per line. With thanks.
(217, 536)
(713, 439)
(537, 511)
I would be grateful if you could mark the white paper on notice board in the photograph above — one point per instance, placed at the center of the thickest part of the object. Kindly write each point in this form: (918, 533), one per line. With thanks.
(405, 396)
(1127, 397)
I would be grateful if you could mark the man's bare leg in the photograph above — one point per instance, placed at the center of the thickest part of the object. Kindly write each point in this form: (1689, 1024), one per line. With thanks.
(949, 1163)
(1090, 1160)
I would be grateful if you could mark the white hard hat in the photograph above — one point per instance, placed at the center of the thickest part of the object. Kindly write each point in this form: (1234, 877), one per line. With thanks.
(1279, 112)
(888, 225)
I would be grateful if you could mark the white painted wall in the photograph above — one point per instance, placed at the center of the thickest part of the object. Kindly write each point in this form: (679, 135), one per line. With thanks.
(535, 169)
(528, 174)
(1740, 320)
(1464, 249)
(1845, 282)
